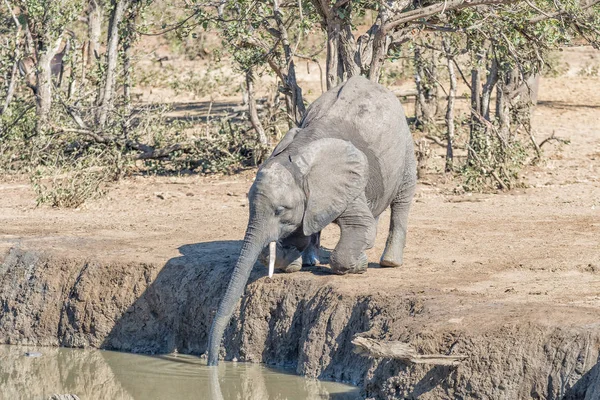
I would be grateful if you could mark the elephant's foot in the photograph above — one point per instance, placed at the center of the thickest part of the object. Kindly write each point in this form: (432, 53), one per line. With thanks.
(390, 263)
(310, 256)
(294, 266)
(392, 255)
(288, 259)
(343, 265)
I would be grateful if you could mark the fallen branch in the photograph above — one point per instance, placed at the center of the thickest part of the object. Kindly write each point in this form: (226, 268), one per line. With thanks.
(147, 152)
(538, 151)
(406, 93)
(401, 351)
(551, 138)
(153, 154)
(439, 142)
(484, 169)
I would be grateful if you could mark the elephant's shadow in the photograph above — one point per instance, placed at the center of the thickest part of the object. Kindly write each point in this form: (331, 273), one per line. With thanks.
(175, 309)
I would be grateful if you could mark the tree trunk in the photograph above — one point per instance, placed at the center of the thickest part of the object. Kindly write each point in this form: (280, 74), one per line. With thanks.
(43, 79)
(333, 38)
(475, 113)
(502, 112)
(106, 96)
(450, 108)
(10, 91)
(347, 52)
(343, 59)
(94, 22)
(488, 87)
(426, 82)
(127, 59)
(297, 102)
(380, 48)
(252, 111)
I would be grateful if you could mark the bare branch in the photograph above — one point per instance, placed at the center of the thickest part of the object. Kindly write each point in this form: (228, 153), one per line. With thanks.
(429, 11)
(553, 138)
(14, 17)
(546, 16)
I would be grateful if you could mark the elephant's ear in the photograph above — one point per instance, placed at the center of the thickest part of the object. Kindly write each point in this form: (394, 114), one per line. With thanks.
(285, 141)
(335, 174)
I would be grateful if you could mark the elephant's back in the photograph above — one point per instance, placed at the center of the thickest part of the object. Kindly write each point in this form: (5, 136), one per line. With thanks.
(372, 118)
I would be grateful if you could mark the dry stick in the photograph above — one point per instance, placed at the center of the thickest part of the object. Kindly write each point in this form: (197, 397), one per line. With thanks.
(551, 138)
(208, 118)
(401, 351)
(538, 151)
(439, 142)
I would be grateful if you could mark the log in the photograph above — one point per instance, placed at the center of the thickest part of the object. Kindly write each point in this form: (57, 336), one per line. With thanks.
(401, 351)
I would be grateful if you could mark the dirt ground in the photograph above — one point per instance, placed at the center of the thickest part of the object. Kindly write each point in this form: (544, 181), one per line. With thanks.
(539, 245)
(528, 256)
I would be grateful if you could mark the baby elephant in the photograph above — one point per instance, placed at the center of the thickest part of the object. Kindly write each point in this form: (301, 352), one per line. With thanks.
(350, 159)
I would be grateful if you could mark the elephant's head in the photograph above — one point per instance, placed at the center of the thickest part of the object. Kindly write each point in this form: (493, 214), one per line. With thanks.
(294, 195)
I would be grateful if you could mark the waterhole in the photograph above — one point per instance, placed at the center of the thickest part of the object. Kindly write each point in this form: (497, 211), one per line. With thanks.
(38, 373)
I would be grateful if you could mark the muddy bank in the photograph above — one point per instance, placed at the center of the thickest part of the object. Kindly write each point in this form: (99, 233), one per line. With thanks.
(305, 321)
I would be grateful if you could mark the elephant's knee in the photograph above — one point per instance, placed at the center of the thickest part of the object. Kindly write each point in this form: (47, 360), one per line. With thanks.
(344, 263)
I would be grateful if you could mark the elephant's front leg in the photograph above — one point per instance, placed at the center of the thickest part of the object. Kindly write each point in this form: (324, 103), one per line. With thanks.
(310, 255)
(287, 258)
(358, 230)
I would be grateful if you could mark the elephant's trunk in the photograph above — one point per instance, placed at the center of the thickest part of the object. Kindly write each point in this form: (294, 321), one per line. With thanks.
(254, 242)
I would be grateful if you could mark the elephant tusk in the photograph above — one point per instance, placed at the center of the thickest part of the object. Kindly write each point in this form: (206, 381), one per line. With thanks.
(272, 254)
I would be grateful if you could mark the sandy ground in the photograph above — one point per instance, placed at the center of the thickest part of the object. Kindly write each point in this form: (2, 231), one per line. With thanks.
(531, 254)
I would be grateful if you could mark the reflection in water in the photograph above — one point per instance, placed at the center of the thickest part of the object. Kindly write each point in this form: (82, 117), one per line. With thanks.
(98, 375)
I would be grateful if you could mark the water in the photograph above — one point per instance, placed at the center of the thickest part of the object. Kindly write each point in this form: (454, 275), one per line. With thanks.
(98, 375)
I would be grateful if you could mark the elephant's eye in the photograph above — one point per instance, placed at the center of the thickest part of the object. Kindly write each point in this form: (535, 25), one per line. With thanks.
(279, 210)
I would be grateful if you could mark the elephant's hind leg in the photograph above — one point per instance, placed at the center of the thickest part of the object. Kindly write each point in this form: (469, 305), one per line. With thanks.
(394, 247)
(358, 230)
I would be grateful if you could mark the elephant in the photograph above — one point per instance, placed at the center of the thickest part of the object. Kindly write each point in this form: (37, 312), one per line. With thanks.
(350, 158)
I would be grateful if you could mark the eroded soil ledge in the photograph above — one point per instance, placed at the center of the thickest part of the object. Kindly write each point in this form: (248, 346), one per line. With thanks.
(305, 321)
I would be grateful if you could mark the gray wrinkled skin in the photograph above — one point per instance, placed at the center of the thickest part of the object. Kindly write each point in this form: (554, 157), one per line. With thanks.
(350, 159)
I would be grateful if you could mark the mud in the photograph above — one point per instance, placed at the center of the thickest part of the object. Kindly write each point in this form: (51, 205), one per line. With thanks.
(298, 321)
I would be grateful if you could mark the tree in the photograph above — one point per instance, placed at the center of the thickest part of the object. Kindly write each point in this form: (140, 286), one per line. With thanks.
(46, 22)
